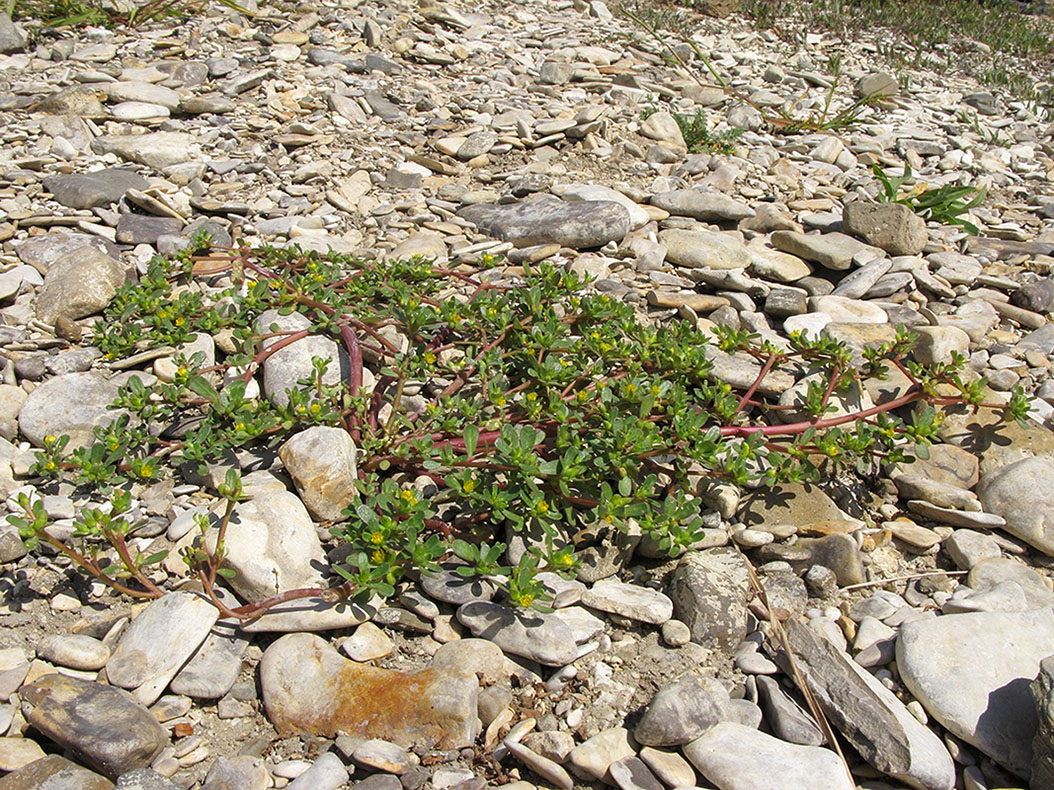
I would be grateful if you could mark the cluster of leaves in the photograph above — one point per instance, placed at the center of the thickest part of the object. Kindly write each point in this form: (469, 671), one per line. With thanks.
(945, 204)
(530, 409)
(698, 137)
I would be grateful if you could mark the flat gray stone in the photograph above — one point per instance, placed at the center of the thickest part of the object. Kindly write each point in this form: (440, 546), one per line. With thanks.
(72, 404)
(735, 757)
(549, 220)
(869, 715)
(215, 666)
(544, 638)
(1022, 493)
(834, 251)
(707, 205)
(630, 600)
(159, 641)
(710, 249)
(98, 188)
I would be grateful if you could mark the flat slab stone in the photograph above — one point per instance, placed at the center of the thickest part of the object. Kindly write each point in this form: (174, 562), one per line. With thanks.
(158, 642)
(308, 687)
(98, 188)
(549, 220)
(735, 757)
(54, 772)
(971, 672)
(875, 722)
(630, 600)
(529, 634)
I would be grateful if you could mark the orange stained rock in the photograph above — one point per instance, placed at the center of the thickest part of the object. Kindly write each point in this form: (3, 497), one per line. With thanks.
(308, 687)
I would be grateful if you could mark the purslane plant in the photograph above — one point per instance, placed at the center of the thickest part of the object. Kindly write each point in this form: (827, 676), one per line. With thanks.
(483, 409)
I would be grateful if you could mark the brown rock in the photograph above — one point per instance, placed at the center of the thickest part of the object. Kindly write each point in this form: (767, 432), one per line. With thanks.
(892, 226)
(54, 773)
(308, 687)
(102, 726)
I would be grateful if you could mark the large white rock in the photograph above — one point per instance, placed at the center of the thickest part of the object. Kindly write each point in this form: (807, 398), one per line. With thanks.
(971, 672)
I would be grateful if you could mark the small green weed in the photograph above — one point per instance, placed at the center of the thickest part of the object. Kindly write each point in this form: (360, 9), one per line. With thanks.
(698, 137)
(945, 204)
(695, 129)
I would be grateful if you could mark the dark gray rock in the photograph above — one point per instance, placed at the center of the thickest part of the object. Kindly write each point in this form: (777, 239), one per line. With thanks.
(1037, 296)
(984, 103)
(869, 715)
(1042, 689)
(547, 219)
(100, 188)
(102, 726)
(710, 590)
(785, 717)
(144, 229)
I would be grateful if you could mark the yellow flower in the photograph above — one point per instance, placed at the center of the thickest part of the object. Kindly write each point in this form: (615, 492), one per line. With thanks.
(491, 312)
(49, 439)
(469, 486)
(542, 507)
(180, 321)
(430, 358)
(532, 396)
(409, 497)
(582, 396)
(376, 538)
(610, 519)
(525, 599)
(51, 466)
(146, 471)
(239, 426)
(315, 408)
(499, 400)
(181, 371)
(377, 556)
